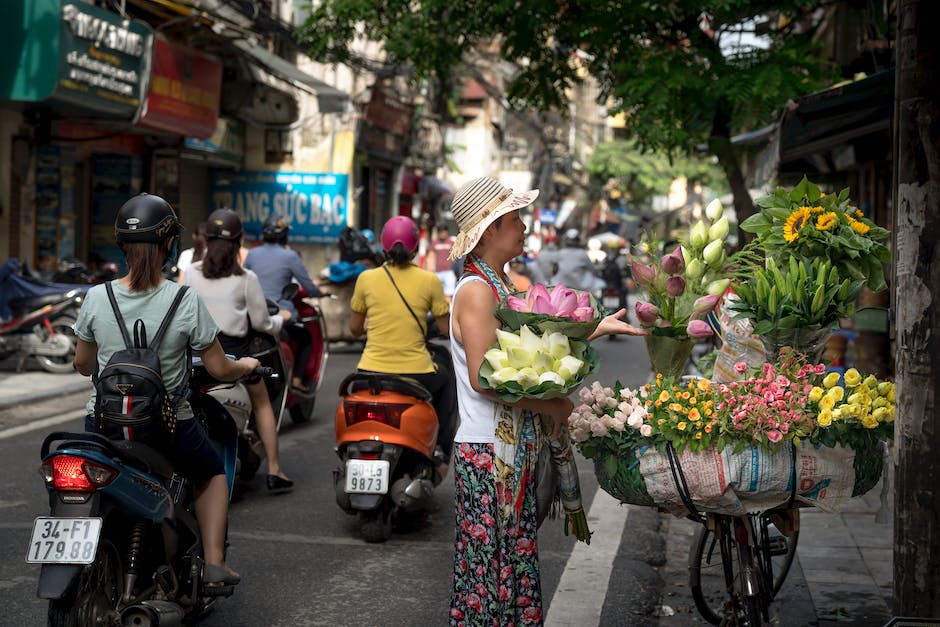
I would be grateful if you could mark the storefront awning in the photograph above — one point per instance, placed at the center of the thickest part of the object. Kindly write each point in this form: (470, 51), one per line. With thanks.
(329, 99)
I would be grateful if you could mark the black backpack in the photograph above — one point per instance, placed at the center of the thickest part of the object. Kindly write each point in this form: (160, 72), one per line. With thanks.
(131, 401)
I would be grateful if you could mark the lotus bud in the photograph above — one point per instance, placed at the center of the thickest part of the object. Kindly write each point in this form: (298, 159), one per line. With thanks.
(699, 329)
(712, 253)
(719, 230)
(703, 305)
(698, 235)
(694, 269)
(686, 255)
(568, 367)
(497, 358)
(675, 286)
(647, 313)
(714, 210)
(558, 345)
(503, 375)
(674, 263)
(551, 377)
(517, 304)
(717, 287)
(527, 378)
(507, 339)
(642, 273)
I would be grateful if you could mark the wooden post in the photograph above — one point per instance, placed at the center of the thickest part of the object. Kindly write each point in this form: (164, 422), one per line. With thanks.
(917, 307)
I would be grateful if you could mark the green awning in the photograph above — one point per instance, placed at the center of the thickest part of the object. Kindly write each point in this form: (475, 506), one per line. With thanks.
(329, 99)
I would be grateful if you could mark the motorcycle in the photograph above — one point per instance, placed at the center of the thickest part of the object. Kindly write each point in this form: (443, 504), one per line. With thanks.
(74, 270)
(38, 319)
(386, 437)
(121, 544)
(311, 317)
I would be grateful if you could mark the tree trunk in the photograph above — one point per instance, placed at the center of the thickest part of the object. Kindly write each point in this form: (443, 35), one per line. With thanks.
(917, 307)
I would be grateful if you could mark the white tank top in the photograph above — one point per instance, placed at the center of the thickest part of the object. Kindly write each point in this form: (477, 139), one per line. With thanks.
(477, 412)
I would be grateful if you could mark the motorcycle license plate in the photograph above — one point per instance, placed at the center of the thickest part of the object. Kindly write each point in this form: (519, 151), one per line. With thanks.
(366, 476)
(64, 540)
(610, 302)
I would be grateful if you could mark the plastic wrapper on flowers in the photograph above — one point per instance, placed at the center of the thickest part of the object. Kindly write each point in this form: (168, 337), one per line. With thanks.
(536, 372)
(573, 313)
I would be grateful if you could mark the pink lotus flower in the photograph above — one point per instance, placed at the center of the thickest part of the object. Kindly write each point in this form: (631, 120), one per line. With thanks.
(564, 300)
(646, 313)
(582, 314)
(561, 301)
(675, 286)
(642, 274)
(674, 262)
(699, 329)
(703, 305)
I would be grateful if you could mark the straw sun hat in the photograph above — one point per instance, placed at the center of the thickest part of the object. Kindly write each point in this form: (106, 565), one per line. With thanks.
(477, 204)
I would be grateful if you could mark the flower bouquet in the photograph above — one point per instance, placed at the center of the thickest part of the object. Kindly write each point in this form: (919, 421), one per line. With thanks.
(758, 443)
(560, 309)
(682, 288)
(535, 366)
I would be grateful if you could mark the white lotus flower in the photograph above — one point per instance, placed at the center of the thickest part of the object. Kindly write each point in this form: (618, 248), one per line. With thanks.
(503, 375)
(568, 367)
(520, 357)
(551, 377)
(557, 345)
(496, 358)
(527, 378)
(507, 339)
(714, 210)
(530, 341)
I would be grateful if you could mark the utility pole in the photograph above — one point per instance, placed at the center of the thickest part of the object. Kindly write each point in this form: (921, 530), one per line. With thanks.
(917, 307)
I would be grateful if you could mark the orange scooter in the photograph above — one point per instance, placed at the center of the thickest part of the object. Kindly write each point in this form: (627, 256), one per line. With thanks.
(386, 436)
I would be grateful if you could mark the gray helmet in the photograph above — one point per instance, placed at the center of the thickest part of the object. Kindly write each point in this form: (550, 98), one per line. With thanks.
(146, 218)
(223, 224)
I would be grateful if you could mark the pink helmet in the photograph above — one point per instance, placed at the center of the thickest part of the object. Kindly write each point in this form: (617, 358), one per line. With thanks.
(400, 229)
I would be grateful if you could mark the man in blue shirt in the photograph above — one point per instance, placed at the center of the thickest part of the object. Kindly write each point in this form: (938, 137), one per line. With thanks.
(276, 266)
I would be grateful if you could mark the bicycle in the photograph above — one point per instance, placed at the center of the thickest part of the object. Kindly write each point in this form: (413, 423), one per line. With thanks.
(735, 584)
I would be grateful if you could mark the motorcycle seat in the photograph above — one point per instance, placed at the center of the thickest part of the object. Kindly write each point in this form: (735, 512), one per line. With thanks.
(21, 306)
(376, 383)
(143, 457)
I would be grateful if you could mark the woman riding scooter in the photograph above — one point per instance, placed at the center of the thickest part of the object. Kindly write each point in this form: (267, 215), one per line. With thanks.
(235, 300)
(395, 345)
(147, 231)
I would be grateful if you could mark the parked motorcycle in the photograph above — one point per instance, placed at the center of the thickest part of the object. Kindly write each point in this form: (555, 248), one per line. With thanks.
(386, 434)
(74, 270)
(38, 319)
(121, 544)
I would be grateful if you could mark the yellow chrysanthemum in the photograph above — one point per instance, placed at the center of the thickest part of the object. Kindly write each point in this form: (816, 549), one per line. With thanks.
(831, 379)
(826, 221)
(664, 396)
(795, 222)
(852, 377)
(694, 414)
(681, 426)
(704, 385)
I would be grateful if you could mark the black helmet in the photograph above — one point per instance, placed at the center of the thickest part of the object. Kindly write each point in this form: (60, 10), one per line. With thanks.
(146, 218)
(275, 229)
(572, 237)
(223, 224)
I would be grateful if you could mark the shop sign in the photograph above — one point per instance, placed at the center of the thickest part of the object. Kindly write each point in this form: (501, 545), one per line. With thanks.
(102, 58)
(226, 144)
(314, 204)
(184, 92)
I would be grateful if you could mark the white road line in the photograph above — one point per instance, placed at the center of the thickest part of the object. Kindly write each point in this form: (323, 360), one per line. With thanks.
(579, 598)
(41, 424)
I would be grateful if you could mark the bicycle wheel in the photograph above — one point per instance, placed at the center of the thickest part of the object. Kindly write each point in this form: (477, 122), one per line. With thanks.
(716, 565)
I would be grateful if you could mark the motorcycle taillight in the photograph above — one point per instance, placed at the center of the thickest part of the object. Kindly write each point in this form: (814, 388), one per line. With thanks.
(386, 413)
(77, 474)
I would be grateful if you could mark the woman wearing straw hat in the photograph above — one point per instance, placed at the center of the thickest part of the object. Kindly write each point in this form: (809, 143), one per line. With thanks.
(496, 570)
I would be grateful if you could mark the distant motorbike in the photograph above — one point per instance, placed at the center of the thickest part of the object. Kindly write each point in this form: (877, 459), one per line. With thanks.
(311, 317)
(74, 270)
(386, 437)
(121, 544)
(38, 319)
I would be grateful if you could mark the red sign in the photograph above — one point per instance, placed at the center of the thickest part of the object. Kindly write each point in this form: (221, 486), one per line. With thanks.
(184, 92)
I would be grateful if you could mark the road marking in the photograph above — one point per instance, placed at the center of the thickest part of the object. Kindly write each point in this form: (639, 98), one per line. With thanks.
(40, 424)
(579, 598)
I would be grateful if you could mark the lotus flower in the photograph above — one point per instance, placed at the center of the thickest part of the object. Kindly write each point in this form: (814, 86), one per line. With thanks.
(719, 230)
(647, 313)
(713, 253)
(714, 210)
(583, 314)
(698, 235)
(507, 339)
(674, 262)
(718, 287)
(703, 305)
(675, 286)
(699, 329)
(539, 300)
(642, 274)
(564, 300)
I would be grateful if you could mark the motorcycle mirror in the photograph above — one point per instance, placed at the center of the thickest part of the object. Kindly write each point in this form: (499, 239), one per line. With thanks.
(290, 290)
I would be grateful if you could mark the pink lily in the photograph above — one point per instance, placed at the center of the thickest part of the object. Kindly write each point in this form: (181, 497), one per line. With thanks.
(674, 262)
(699, 329)
(647, 313)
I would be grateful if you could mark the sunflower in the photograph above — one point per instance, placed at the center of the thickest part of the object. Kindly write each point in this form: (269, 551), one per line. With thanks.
(826, 221)
(859, 227)
(795, 222)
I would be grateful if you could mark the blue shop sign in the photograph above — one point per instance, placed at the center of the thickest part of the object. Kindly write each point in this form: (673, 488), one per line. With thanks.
(314, 204)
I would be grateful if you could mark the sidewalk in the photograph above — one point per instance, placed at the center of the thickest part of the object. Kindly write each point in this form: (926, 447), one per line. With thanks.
(843, 573)
(31, 386)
